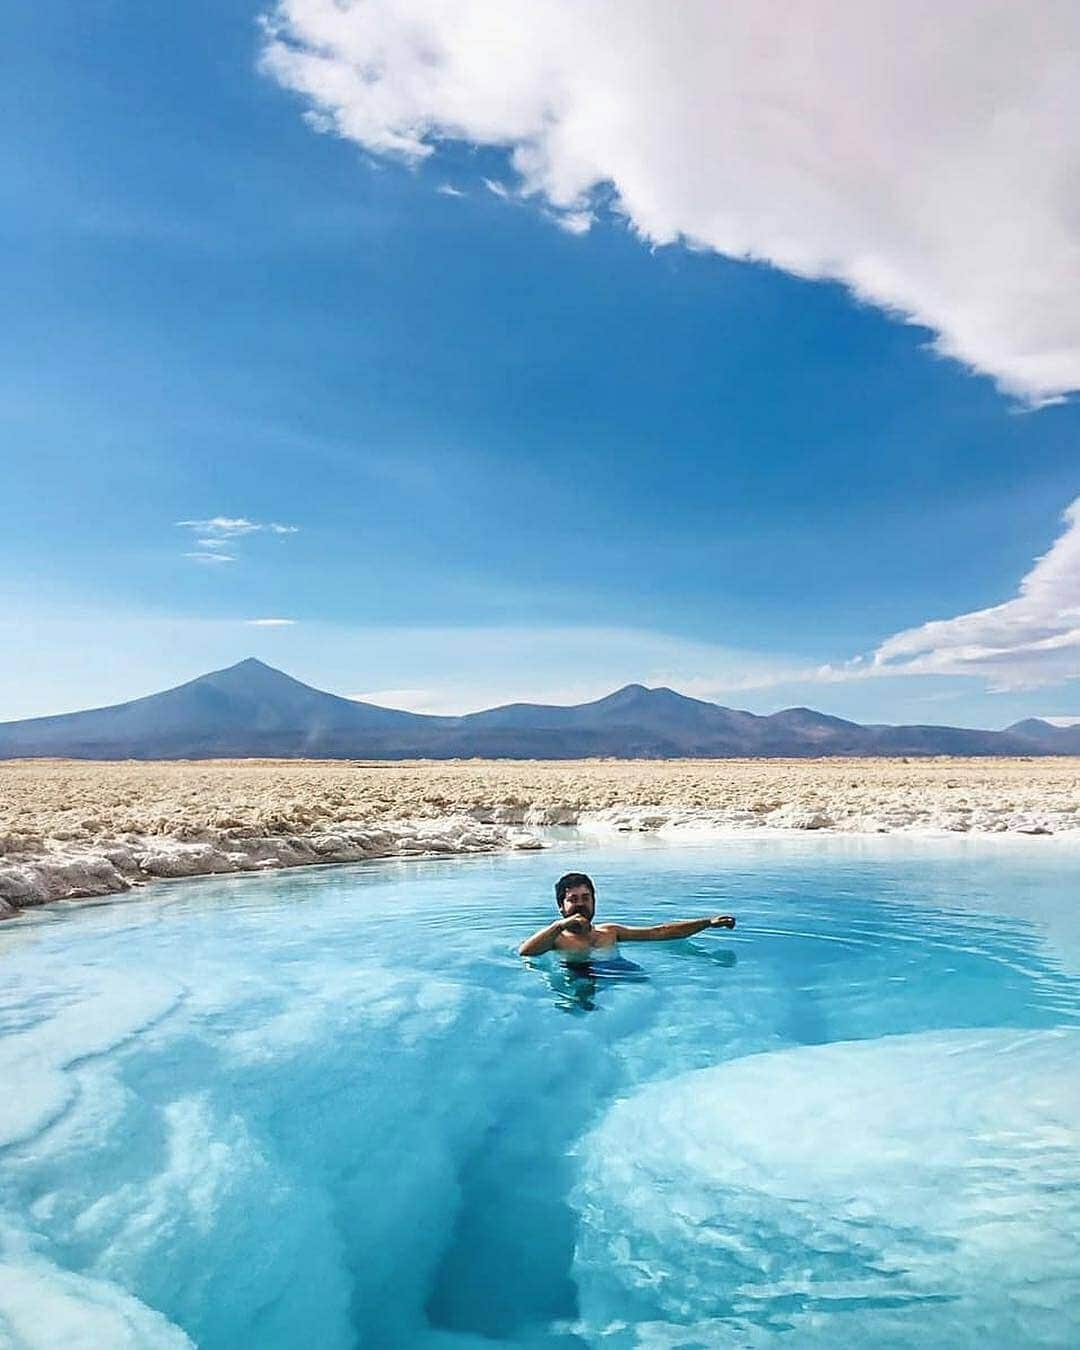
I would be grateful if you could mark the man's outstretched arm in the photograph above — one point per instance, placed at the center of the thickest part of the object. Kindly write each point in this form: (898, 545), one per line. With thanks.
(545, 938)
(679, 928)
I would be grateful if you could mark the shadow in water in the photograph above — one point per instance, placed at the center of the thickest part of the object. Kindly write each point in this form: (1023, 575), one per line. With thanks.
(716, 955)
(505, 1272)
(575, 984)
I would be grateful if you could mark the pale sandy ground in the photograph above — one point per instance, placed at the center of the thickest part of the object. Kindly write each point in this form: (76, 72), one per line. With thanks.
(70, 829)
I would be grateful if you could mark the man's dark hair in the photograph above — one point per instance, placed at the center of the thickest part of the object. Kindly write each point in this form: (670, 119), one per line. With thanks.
(570, 880)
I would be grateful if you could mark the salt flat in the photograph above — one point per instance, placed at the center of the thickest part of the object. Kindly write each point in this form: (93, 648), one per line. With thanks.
(71, 829)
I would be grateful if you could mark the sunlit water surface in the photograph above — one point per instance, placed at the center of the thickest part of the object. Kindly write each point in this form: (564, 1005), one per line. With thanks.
(332, 1108)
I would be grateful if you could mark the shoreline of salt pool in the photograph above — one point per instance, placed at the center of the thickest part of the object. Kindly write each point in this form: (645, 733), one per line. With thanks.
(116, 867)
(77, 829)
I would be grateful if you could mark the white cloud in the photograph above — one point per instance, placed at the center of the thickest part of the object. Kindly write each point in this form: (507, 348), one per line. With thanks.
(270, 623)
(448, 190)
(222, 527)
(926, 155)
(1028, 641)
(575, 222)
(220, 532)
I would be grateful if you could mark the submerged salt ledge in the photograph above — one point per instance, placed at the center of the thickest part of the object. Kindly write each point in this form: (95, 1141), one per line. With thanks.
(186, 1194)
(42, 1306)
(844, 1194)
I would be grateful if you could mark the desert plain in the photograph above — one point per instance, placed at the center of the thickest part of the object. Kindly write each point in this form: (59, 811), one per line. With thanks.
(74, 829)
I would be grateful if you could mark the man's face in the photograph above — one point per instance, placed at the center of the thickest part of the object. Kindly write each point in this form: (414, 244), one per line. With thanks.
(578, 900)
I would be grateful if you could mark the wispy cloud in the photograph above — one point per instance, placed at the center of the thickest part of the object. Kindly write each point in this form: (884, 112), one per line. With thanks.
(222, 527)
(1029, 641)
(448, 190)
(270, 623)
(923, 155)
(217, 533)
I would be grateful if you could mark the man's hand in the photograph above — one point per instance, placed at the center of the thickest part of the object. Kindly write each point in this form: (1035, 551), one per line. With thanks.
(546, 938)
(576, 924)
(722, 921)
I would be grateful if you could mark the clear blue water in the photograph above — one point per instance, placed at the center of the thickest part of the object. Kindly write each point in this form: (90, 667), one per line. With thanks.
(332, 1108)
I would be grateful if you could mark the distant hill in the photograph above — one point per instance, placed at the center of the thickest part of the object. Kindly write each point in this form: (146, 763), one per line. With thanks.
(1054, 740)
(252, 710)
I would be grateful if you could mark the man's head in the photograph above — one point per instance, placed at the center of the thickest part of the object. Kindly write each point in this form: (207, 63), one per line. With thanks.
(575, 894)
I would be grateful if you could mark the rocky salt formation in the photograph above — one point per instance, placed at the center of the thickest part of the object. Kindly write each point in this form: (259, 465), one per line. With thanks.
(66, 870)
(71, 829)
(918, 819)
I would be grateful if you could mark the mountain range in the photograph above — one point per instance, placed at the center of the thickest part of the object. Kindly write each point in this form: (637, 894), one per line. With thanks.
(252, 710)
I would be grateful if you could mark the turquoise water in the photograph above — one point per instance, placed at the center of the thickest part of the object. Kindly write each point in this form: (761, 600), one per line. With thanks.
(333, 1108)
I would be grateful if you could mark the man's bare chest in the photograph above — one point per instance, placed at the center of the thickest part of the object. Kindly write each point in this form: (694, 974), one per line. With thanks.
(582, 943)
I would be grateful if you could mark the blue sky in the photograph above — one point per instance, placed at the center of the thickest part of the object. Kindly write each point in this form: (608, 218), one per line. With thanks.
(515, 458)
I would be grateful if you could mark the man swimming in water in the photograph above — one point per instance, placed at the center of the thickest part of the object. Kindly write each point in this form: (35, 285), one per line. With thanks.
(576, 936)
